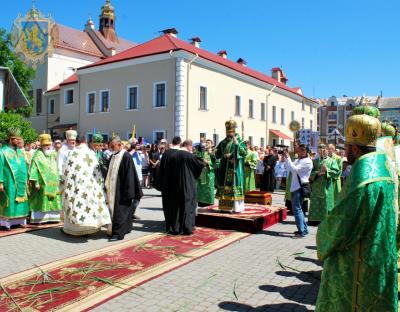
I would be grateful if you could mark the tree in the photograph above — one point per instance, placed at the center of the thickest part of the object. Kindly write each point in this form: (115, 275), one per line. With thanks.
(11, 120)
(22, 72)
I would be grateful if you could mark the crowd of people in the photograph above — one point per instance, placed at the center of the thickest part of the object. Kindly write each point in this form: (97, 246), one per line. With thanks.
(351, 196)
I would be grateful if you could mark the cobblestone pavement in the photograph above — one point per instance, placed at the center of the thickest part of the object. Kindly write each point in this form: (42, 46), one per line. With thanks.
(267, 271)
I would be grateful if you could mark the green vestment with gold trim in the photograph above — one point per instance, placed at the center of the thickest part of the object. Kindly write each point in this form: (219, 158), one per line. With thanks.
(14, 176)
(322, 195)
(250, 164)
(230, 174)
(44, 172)
(206, 181)
(357, 242)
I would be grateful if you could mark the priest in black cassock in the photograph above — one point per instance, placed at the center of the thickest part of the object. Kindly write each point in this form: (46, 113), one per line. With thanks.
(123, 190)
(179, 170)
(268, 177)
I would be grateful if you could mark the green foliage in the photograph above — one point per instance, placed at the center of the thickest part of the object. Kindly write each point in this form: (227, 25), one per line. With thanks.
(22, 72)
(11, 120)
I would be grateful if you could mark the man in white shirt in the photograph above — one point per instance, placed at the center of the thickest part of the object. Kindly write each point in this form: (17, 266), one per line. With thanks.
(301, 169)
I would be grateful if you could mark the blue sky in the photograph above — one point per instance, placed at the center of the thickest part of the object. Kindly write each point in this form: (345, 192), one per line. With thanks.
(328, 48)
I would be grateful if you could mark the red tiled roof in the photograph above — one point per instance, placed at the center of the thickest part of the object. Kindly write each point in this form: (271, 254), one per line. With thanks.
(166, 43)
(119, 46)
(74, 39)
(71, 79)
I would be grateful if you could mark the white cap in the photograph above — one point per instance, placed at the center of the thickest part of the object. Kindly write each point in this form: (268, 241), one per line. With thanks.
(71, 134)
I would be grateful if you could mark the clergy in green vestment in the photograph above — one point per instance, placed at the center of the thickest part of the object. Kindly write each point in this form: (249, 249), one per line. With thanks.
(323, 176)
(337, 183)
(44, 199)
(250, 164)
(206, 181)
(357, 240)
(13, 182)
(231, 151)
(97, 147)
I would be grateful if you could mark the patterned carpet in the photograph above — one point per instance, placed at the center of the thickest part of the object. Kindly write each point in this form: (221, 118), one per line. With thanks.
(82, 282)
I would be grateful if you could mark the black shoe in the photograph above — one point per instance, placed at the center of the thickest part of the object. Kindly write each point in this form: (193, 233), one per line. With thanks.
(296, 232)
(135, 217)
(114, 238)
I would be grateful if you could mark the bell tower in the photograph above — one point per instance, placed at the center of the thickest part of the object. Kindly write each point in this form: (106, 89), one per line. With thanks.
(107, 22)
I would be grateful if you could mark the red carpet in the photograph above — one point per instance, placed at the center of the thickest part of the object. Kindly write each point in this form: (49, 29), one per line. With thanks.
(82, 282)
(28, 228)
(253, 219)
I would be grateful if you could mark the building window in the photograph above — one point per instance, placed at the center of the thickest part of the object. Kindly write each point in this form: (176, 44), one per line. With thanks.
(203, 98)
(332, 116)
(90, 102)
(262, 142)
(251, 109)
(292, 116)
(160, 95)
(69, 96)
(332, 103)
(51, 106)
(311, 124)
(158, 135)
(311, 109)
(274, 114)
(132, 97)
(237, 105)
(302, 123)
(39, 94)
(251, 140)
(262, 111)
(105, 101)
(273, 142)
(282, 116)
(216, 139)
(303, 106)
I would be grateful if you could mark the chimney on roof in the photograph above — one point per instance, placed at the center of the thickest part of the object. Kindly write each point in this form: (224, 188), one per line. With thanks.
(241, 62)
(89, 24)
(195, 41)
(278, 74)
(223, 54)
(170, 31)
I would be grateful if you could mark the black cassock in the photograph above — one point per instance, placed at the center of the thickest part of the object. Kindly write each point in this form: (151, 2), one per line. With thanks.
(268, 177)
(178, 173)
(127, 196)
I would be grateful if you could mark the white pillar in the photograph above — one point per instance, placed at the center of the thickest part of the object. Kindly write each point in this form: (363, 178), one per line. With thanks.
(180, 92)
(2, 82)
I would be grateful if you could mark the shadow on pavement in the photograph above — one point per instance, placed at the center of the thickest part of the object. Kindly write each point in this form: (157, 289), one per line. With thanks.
(55, 233)
(154, 209)
(303, 293)
(240, 307)
(275, 233)
(149, 226)
(315, 261)
(311, 247)
(307, 276)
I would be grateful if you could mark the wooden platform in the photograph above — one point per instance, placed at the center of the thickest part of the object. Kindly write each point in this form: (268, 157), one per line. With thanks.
(255, 218)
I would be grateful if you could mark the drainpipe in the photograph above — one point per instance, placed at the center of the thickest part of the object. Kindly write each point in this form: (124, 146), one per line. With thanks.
(173, 115)
(266, 113)
(187, 93)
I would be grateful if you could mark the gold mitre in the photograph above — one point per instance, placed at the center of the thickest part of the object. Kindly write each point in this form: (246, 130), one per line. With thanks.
(45, 139)
(230, 125)
(363, 130)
